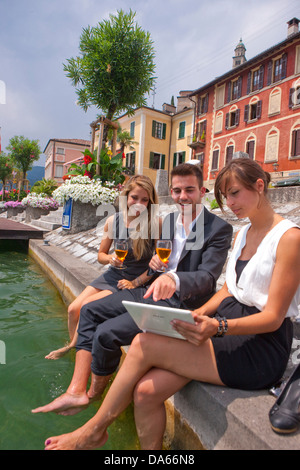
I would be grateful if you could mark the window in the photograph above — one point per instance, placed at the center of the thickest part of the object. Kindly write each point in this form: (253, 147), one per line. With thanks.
(250, 146)
(158, 130)
(234, 90)
(295, 143)
(220, 96)
(179, 157)
(60, 150)
(202, 105)
(252, 111)
(59, 171)
(200, 130)
(275, 101)
(277, 69)
(297, 60)
(294, 98)
(157, 161)
(130, 161)
(219, 122)
(255, 79)
(181, 133)
(215, 159)
(132, 128)
(229, 153)
(232, 118)
(272, 145)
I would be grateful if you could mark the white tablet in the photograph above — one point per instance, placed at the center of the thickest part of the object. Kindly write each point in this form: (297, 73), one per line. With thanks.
(156, 319)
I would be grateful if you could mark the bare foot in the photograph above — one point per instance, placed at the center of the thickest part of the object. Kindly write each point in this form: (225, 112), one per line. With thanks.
(66, 404)
(58, 353)
(84, 438)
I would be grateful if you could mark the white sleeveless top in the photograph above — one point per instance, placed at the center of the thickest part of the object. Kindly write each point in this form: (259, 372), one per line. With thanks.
(253, 286)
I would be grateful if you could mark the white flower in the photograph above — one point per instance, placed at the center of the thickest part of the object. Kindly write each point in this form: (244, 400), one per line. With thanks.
(40, 200)
(83, 189)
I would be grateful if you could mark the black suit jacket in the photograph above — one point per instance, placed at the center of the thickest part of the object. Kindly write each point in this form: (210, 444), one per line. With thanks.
(202, 258)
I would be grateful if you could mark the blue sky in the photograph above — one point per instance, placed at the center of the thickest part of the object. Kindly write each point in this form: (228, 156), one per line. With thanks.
(194, 42)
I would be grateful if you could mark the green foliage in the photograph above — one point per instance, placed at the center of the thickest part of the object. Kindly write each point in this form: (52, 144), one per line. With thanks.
(214, 204)
(23, 153)
(111, 168)
(116, 65)
(5, 167)
(44, 187)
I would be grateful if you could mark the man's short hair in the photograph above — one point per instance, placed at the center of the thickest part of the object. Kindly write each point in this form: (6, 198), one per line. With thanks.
(186, 169)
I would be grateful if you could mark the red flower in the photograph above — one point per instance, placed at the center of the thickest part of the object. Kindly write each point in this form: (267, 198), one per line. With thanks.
(88, 173)
(87, 159)
(123, 155)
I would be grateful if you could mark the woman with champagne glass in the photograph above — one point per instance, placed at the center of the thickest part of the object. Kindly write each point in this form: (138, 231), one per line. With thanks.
(131, 227)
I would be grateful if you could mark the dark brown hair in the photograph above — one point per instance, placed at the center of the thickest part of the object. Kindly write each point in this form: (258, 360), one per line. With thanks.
(246, 171)
(187, 169)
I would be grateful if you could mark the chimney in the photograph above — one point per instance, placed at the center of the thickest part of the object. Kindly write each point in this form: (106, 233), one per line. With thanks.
(293, 27)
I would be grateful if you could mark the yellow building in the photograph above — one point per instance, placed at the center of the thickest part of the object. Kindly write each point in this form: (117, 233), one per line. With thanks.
(161, 137)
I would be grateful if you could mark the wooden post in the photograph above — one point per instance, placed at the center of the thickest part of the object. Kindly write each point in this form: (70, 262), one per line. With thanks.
(101, 127)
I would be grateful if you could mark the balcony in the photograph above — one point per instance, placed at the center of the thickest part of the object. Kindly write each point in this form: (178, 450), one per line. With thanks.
(196, 140)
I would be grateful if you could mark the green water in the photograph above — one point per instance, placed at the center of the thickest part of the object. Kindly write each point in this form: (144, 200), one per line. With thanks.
(33, 321)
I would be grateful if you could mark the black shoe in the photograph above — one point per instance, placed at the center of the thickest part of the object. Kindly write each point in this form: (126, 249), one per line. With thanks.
(285, 413)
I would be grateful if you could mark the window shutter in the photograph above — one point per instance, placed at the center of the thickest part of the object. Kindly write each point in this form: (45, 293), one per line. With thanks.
(229, 92)
(249, 82)
(215, 159)
(258, 109)
(270, 69)
(153, 128)
(261, 77)
(283, 66)
(133, 161)
(226, 120)
(183, 157)
(174, 159)
(240, 87)
(127, 159)
(181, 130)
(162, 162)
(291, 97)
(164, 131)
(246, 113)
(237, 117)
(151, 161)
(206, 104)
(250, 149)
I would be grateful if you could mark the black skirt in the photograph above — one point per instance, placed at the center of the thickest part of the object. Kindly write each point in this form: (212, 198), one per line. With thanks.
(251, 362)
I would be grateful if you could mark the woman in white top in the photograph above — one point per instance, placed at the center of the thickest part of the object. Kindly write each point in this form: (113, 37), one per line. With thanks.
(241, 337)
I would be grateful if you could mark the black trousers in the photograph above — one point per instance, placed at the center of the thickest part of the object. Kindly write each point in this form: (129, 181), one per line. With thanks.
(105, 326)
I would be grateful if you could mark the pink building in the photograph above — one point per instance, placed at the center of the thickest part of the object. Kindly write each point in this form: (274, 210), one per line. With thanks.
(60, 152)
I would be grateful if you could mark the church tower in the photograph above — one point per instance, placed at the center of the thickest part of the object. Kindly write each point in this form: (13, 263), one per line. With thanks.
(239, 57)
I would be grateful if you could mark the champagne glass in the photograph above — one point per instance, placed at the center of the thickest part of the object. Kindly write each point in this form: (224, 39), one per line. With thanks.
(163, 250)
(121, 251)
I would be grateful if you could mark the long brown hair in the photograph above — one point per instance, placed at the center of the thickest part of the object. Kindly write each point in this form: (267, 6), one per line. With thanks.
(142, 246)
(246, 171)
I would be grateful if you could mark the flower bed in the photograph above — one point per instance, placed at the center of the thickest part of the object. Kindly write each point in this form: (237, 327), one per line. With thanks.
(41, 201)
(85, 190)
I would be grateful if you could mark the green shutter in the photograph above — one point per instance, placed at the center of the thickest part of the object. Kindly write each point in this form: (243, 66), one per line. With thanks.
(151, 160)
(153, 128)
(183, 157)
(174, 159)
(181, 130)
(164, 131)
(162, 166)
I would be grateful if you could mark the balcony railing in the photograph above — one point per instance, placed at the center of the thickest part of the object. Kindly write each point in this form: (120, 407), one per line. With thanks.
(196, 140)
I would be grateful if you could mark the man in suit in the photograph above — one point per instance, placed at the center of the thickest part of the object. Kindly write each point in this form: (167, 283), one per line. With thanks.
(201, 242)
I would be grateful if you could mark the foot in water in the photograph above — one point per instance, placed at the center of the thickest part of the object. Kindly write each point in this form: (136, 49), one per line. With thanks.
(66, 405)
(84, 438)
(58, 353)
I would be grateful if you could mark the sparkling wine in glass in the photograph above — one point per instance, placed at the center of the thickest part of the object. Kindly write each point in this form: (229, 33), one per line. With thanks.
(163, 250)
(121, 251)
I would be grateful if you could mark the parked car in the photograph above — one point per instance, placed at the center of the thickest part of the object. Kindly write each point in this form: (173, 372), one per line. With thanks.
(295, 181)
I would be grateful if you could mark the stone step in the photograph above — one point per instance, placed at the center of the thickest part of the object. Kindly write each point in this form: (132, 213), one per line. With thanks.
(44, 224)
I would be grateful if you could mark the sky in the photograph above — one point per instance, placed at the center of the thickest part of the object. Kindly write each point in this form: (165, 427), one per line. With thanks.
(194, 42)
